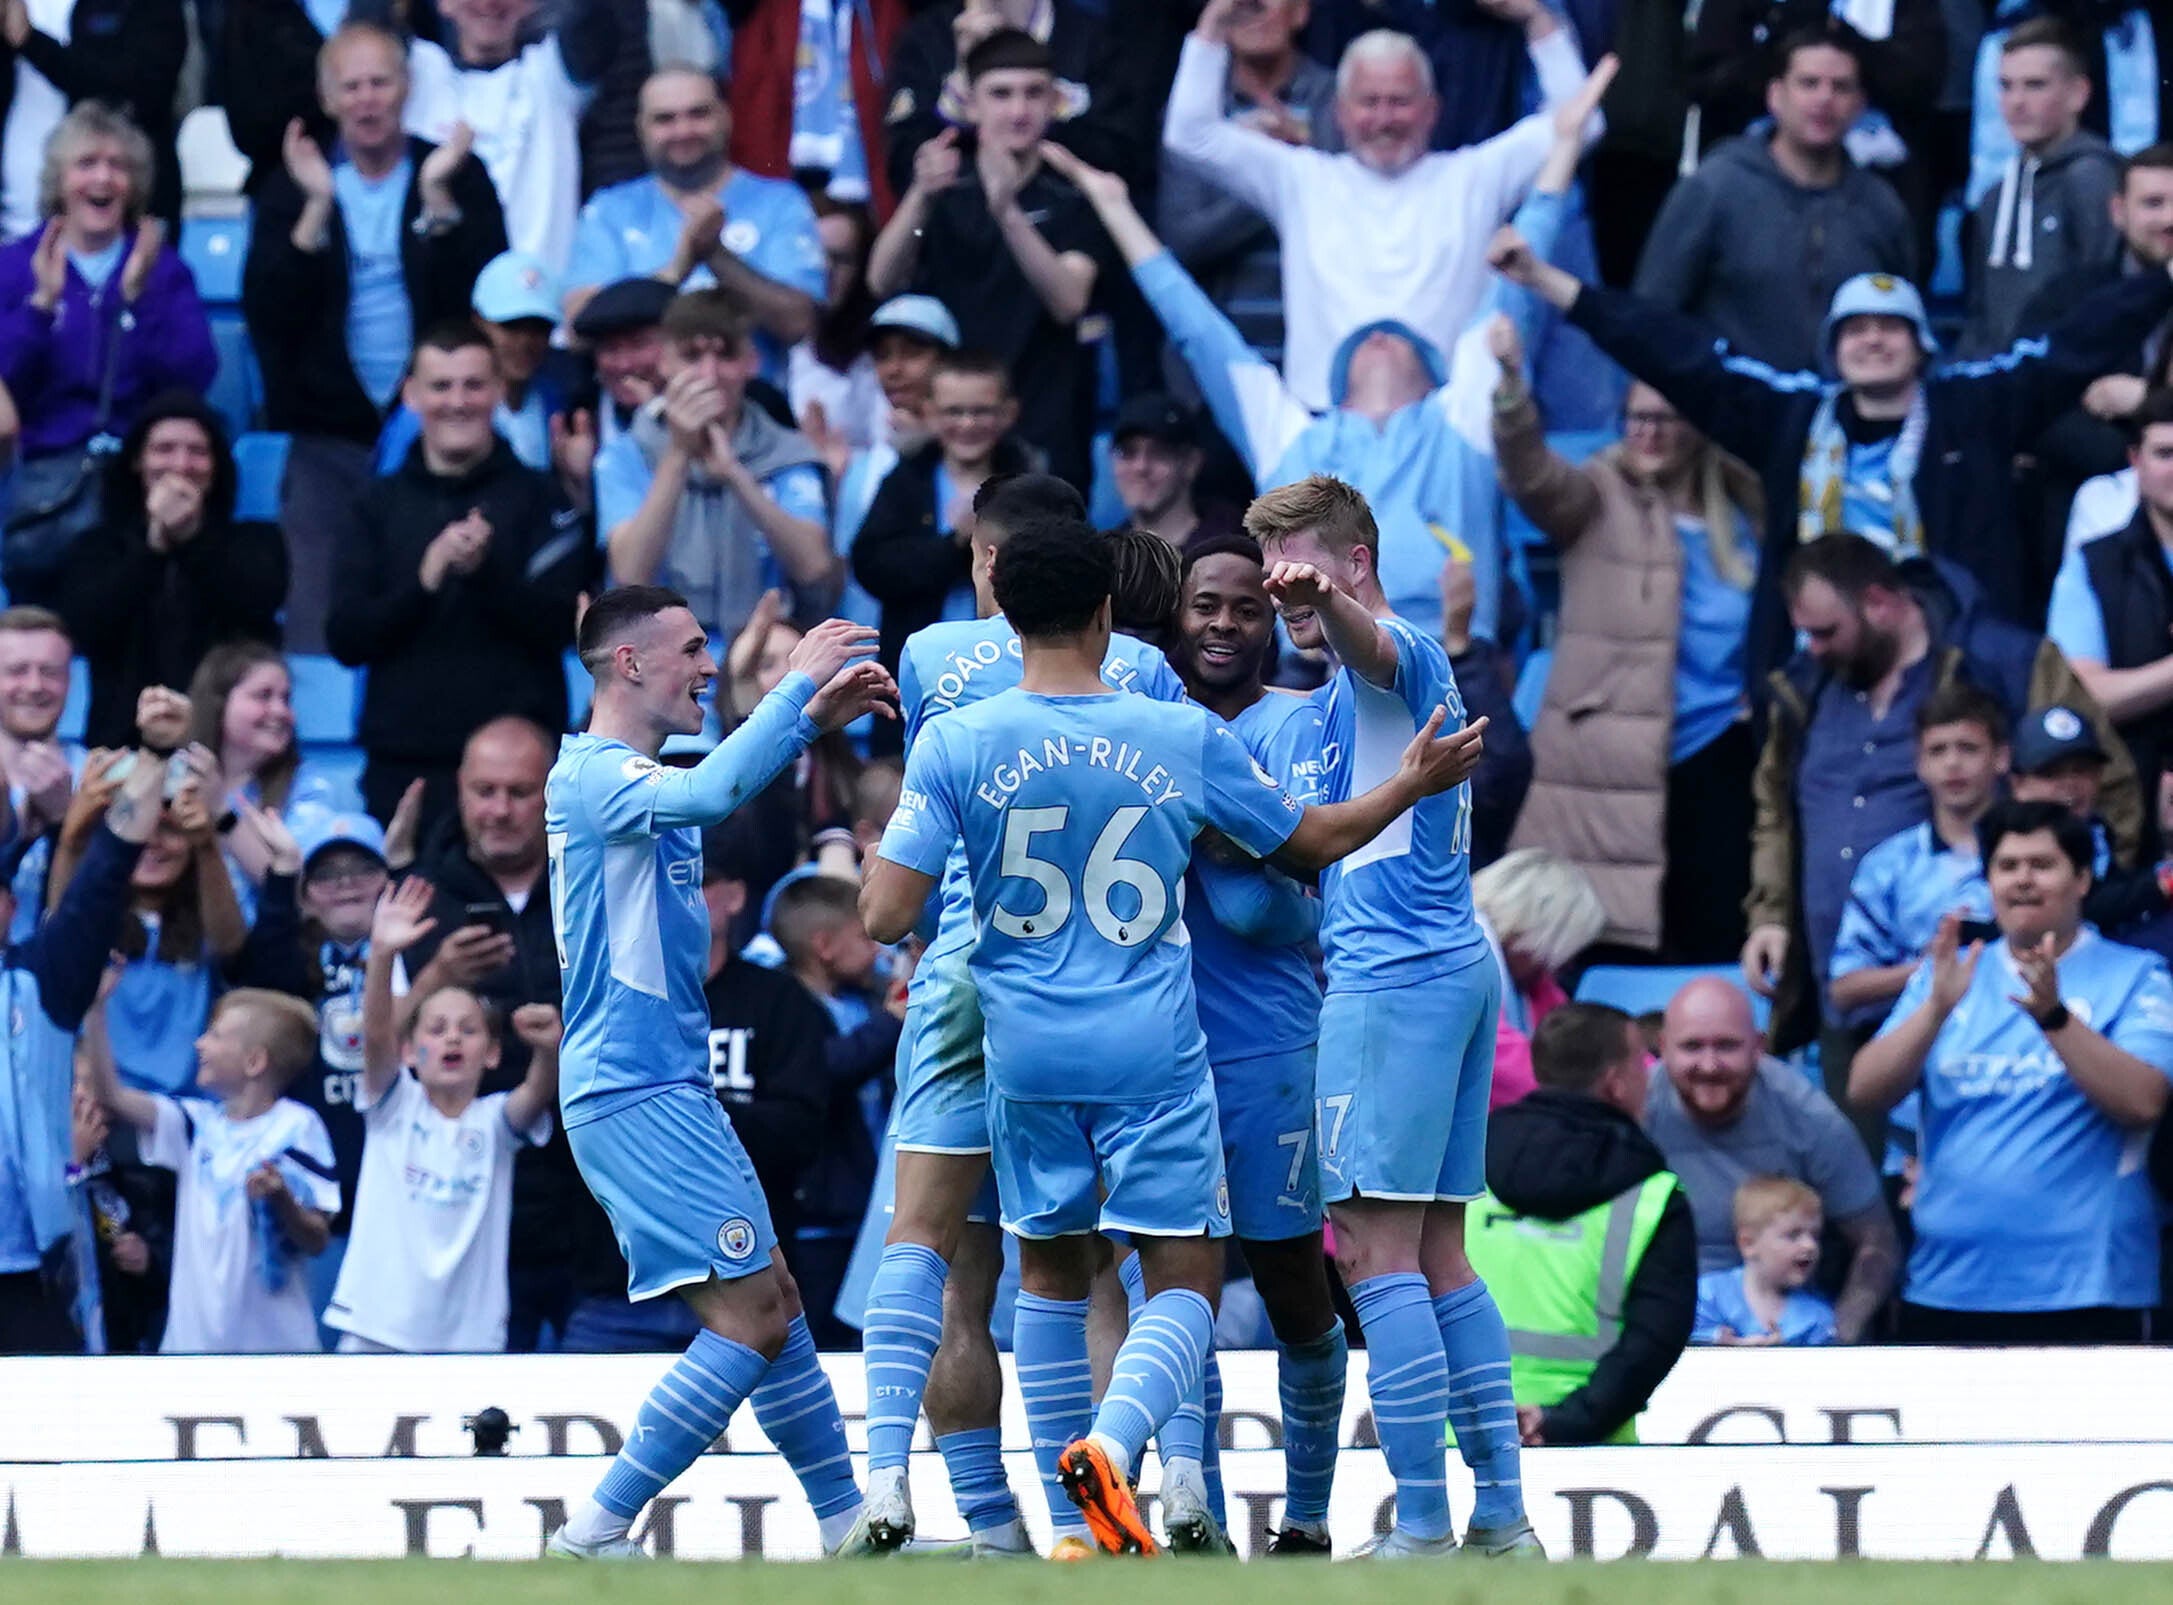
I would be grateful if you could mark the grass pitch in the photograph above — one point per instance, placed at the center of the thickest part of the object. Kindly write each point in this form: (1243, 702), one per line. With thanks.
(1174, 1582)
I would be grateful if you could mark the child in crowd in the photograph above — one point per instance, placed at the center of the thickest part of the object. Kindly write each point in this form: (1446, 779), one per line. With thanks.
(426, 1264)
(257, 1188)
(1767, 1299)
(1912, 880)
(816, 921)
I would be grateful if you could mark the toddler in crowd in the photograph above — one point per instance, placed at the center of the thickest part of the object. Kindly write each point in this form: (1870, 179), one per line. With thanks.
(425, 1271)
(1767, 1299)
(257, 1184)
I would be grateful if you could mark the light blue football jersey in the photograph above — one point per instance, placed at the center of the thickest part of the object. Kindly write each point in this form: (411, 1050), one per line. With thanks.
(957, 664)
(1257, 999)
(625, 840)
(1078, 816)
(1399, 909)
(2030, 1197)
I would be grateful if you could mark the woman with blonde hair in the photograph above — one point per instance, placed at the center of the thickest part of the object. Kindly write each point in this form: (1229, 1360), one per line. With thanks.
(96, 318)
(1642, 751)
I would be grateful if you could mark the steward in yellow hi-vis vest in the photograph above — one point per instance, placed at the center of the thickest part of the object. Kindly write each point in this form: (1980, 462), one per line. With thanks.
(1584, 1236)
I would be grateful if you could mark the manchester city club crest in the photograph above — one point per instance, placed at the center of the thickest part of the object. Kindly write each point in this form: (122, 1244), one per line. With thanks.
(736, 1238)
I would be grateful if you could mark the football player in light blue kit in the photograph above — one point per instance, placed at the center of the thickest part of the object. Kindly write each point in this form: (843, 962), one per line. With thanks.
(1078, 806)
(653, 1143)
(1406, 1040)
(942, 1256)
(1252, 934)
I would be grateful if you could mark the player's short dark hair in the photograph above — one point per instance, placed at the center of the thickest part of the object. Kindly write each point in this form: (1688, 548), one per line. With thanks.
(609, 617)
(1233, 544)
(1573, 1047)
(2011, 818)
(1958, 702)
(1148, 586)
(1827, 35)
(1005, 501)
(1052, 576)
(1848, 563)
(811, 904)
(1008, 48)
(2047, 33)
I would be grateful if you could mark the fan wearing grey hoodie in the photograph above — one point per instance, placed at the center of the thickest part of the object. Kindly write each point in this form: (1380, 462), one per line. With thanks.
(2051, 212)
(1757, 240)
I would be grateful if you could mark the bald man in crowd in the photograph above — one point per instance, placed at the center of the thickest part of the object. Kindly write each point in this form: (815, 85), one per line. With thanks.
(1726, 1111)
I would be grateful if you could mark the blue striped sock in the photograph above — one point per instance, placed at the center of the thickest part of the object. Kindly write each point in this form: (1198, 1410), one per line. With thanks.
(1310, 1378)
(1056, 1384)
(684, 1414)
(1218, 1500)
(1482, 1410)
(975, 1462)
(1157, 1368)
(904, 1322)
(798, 1412)
(1184, 1435)
(1408, 1376)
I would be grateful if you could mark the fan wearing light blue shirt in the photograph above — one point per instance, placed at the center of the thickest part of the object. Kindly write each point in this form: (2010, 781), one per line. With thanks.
(1768, 1299)
(2043, 1061)
(1903, 887)
(624, 841)
(1078, 807)
(695, 220)
(1406, 1039)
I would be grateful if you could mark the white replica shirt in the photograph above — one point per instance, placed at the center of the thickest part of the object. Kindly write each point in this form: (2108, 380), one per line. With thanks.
(425, 1271)
(526, 116)
(1357, 246)
(34, 110)
(220, 1303)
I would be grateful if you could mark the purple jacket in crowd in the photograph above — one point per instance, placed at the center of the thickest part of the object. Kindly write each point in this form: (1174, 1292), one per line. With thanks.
(53, 365)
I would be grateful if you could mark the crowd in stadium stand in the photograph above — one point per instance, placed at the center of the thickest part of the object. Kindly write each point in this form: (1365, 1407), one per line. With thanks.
(1785, 458)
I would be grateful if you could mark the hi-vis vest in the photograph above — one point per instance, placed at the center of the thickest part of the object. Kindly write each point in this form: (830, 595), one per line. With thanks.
(1560, 1284)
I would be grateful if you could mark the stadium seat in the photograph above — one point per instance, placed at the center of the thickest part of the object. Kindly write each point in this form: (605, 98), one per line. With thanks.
(579, 687)
(76, 711)
(214, 249)
(330, 777)
(327, 696)
(212, 170)
(260, 468)
(1640, 989)
(1532, 685)
(238, 390)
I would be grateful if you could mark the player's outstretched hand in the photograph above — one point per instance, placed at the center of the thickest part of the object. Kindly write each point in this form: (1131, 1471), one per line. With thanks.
(1298, 585)
(1440, 763)
(858, 688)
(828, 647)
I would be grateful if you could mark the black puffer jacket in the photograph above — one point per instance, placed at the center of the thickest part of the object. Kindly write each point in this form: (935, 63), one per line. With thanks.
(1556, 1154)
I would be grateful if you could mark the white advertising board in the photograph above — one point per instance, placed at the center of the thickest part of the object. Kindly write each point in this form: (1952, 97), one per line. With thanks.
(1916, 1501)
(309, 1406)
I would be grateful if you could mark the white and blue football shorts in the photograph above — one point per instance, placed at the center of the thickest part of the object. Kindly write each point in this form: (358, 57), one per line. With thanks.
(1149, 1169)
(680, 1190)
(1403, 1082)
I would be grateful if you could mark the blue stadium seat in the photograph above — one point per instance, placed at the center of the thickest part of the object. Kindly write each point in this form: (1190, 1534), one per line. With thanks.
(579, 689)
(327, 695)
(76, 711)
(1532, 685)
(238, 391)
(214, 249)
(330, 777)
(260, 467)
(1639, 989)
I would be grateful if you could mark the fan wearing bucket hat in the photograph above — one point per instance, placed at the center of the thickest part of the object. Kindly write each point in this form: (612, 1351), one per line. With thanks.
(1915, 458)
